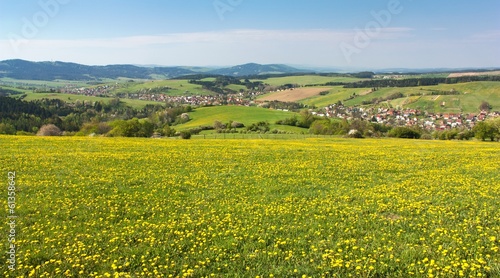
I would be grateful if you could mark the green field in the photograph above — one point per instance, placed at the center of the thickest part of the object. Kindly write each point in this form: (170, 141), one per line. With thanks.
(306, 80)
(206, 116)
(117, 207)
(39, 84)
(178, 87)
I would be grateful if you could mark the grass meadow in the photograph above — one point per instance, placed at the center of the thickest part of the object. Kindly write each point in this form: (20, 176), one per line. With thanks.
(206, 116)
(177, 87)
(318, 207)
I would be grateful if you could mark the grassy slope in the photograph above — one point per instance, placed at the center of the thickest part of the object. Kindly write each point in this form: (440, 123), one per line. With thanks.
(236, 88)
(336, 93)
(306, 80)
(471, 96)
(41, 84)
(179, 87)
(246, 115)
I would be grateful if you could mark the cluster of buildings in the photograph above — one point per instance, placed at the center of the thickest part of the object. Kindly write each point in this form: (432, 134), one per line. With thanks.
(195, 100)
(99, 91)
(408, 117)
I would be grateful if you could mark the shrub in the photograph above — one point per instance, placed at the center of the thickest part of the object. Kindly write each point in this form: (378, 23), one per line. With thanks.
(185, 135)
(465, 135)
(7, 129)
(353, 133)
(261, 127)
(24, 133)
(426, 136)
(237, 125)
(404, 132)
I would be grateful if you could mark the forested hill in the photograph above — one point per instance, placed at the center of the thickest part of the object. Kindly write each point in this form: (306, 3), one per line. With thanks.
(256, 69)
(48, 71)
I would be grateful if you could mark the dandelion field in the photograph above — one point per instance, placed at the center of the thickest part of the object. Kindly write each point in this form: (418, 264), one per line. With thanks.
(123, 207)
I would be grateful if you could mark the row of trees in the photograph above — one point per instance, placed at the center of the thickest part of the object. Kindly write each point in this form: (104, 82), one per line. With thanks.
(18, 116)
(359, 128)
(381, 99)
(487, 130)
(220, 82)
(415, 82)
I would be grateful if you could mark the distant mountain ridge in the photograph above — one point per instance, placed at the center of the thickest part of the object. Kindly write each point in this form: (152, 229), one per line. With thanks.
(257, 69)
(48, 71)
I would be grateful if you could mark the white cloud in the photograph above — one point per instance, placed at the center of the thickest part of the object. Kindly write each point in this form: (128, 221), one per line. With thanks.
(231, 36)
(387, 47)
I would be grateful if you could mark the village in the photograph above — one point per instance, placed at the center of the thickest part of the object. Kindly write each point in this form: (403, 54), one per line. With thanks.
(388, 116)
(408, 117)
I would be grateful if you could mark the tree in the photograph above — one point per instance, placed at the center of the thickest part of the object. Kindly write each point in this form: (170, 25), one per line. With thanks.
(49, 130)
(321, 127)
(261, 127)
(132, 128)
(484, 130)
(7, 129)
(218, 125)
(364, 127)
(485, 106)
(306, 119)
(146, 129)
(495, 123)
(167, 131)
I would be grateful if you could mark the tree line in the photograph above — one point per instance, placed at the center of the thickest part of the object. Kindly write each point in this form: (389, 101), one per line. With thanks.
(416, 82)
(359, 128)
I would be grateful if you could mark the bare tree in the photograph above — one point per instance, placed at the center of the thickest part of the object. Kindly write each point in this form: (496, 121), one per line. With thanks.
(49, 130)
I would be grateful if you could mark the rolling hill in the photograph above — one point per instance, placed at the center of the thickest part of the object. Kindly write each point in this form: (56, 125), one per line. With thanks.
(256, 69)
(49, 71)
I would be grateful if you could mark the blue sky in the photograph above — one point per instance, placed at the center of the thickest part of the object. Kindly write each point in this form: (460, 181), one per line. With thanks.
(329, 33)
